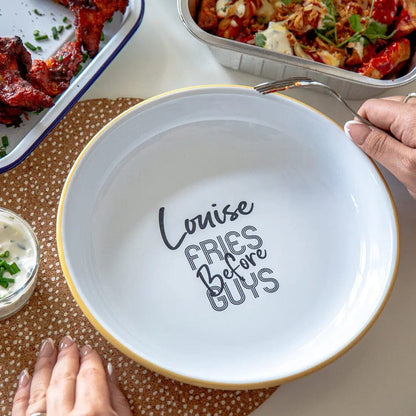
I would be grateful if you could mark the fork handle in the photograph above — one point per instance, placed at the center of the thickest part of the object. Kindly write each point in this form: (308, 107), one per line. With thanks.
(338, 97)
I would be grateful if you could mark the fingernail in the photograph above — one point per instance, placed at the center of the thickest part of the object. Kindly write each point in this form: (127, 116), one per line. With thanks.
(24, 378)
(66, 342)
(86, 349)
(109, 369)
(356, 131)
(47, 347)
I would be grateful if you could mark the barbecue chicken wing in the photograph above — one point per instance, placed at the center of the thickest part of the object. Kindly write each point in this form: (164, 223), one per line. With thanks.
(54, 75)
(90, 16)
(17, 95)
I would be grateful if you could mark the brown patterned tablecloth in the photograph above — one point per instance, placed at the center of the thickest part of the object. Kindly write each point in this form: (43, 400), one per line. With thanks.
(32, 190)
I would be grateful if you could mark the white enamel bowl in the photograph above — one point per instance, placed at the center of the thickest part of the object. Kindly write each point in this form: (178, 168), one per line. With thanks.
(305, 217)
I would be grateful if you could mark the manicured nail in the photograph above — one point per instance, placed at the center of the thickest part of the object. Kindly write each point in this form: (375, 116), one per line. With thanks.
(66, 342)
(47, 347)
(109, 369)
(86, 349)
(356, 131)
(23, 378)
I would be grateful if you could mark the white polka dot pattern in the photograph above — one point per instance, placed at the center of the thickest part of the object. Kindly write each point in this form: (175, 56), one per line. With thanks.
(33, 190)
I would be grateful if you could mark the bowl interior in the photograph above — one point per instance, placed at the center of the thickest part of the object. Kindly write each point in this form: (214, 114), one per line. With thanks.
(232, 239)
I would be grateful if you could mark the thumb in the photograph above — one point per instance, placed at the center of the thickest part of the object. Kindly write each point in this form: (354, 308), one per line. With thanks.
(395, 156)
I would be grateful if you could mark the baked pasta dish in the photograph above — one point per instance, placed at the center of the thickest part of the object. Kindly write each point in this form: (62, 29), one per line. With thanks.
(372, 37)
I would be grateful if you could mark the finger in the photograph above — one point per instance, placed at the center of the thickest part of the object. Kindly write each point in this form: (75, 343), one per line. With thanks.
(21, 398)
(392, 116)
(398, 158)
(91, 373)
(41, 377)
(61, 392)
(118, 400)
(398, 98)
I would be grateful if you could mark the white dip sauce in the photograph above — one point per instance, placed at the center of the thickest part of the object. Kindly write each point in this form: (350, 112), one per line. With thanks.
(277, 38)
(22, 247)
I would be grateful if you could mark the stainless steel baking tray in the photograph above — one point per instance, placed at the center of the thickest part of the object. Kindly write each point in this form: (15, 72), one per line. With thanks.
(274, 65)
(21, 18)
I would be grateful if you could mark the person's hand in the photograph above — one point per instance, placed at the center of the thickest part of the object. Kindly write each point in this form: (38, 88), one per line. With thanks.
(69, 381)
(395, 146)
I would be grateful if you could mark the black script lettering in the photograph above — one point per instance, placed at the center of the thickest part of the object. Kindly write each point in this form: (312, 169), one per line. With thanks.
(163, 232)
(204, 273)
(202, 221)
(275, 283)
(232, 269)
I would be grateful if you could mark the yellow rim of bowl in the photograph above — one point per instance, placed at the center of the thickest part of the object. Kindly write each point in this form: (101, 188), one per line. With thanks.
(171, 374)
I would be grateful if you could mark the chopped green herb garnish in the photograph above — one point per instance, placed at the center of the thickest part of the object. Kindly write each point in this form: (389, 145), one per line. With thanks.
(5, 141)
(262, 20)
(8, 279)
(110, 20)
(55, 33)
(68, 26)
(329, 32)
(39, 111)
(60, 58)
(14, 268)
(11, 268)
(102, 37)
(84, 57)
(5, 254)
(42, 37)
(260, 40)
(30, 46)
(65, 19)
(78, 69)
(60, 29)
(36, 33)
(37, 12)
(370, 31)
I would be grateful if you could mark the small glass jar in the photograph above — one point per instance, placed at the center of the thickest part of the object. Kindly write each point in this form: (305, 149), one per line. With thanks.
(18, 244)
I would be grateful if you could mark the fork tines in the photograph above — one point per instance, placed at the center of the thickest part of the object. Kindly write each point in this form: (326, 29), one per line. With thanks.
(280, 85)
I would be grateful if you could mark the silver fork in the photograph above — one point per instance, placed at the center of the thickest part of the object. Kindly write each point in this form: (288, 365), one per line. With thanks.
(295, 82)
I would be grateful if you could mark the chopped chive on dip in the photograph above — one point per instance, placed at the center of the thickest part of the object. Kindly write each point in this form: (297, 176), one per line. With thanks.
(5, 267)
(37, 12)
